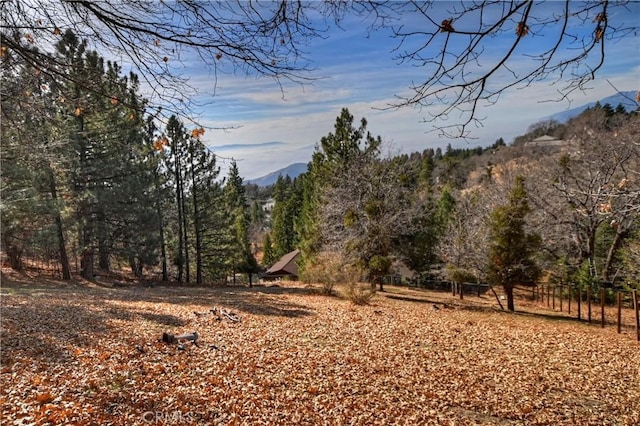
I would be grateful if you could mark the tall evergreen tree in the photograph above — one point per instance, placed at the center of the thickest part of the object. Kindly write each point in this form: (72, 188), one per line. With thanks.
(512, 248)
(177, 137)
(204, 172)
(268, 257)
(92, 160)
(288, 202)
(217, 236)
(31, 205)
(102, 148)
(242, 259)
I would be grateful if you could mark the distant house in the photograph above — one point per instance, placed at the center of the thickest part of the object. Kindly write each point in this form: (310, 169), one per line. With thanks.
(547, 141)
(268, 205)
(285, 267)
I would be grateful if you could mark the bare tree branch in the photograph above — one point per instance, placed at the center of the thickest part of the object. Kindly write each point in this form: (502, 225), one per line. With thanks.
(466, 66)
(469, 53)
(159, 39)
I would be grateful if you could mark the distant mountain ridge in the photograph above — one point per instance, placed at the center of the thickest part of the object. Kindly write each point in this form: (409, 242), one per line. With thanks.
(293, 171)
(624, 98)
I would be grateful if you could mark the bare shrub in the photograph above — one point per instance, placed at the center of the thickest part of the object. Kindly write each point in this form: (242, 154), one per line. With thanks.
(359, 293)
(326, 269)
(329, 270)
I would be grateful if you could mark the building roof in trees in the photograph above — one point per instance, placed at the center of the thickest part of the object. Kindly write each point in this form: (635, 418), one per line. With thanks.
(285, 266)
(546, 141)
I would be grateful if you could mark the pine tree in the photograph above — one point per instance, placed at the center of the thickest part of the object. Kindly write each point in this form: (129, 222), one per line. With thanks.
(288, 202)
(512, 249)
(217, 236)
(242, 259)
(268, 257)
(204, 172)
(32, 217)
(176, 135)
(92, 177)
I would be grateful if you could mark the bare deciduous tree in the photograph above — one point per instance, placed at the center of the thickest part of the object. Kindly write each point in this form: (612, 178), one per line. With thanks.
(599, 181)
(465, 241)
(472, 52)
(365, 207)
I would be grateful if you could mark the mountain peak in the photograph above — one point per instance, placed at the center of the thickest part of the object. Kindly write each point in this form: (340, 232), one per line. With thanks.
(293, 171)
(626, 99)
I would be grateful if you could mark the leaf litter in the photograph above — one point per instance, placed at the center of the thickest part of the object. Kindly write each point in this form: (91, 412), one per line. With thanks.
(287, 355)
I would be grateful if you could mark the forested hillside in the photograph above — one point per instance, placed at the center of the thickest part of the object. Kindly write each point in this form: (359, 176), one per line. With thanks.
(561, 208)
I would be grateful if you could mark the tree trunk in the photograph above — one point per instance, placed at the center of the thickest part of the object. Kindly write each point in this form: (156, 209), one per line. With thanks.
(87, 259)
(86, 264)
(497, 298)
(84, 210)
(163, 247)
(613, 248)
(185, 239)
(180, 222)
(510, 304)
(187, 266)
(196, 222)
(103, 242)
(136, 266)
(103, 256)
(64, 259)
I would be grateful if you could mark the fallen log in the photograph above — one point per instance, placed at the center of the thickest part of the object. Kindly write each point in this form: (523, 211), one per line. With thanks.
(172, 339)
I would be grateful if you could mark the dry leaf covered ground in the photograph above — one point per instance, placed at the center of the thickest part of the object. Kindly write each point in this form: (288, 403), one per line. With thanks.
(78, 355)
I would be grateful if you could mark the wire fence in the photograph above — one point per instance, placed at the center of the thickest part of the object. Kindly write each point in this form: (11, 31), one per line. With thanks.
(604, 306)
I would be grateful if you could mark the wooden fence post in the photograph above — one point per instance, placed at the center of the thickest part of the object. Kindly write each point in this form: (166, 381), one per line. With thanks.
(533, 293)
(619, 311)
(637, 308)
(589, 303)
(602, 306)
(579, 301)
(548, 301)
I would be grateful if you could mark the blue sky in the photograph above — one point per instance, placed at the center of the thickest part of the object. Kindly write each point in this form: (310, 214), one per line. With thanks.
(269, 129)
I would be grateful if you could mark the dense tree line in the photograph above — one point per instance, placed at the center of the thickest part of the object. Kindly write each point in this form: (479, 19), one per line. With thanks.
(90, 179)
(575, 217)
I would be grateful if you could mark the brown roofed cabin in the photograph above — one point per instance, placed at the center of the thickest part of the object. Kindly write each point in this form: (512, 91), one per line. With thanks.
(285, 267)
